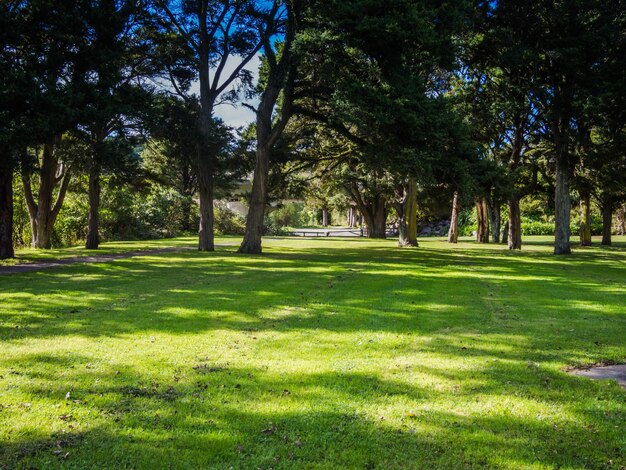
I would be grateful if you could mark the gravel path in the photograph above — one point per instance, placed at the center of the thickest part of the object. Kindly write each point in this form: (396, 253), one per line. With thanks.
(41, 265)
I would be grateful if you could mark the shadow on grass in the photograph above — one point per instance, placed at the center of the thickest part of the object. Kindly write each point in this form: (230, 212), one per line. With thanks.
(216, 415)
(523, 315)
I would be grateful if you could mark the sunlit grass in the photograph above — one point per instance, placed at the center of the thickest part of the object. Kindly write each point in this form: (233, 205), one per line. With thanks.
(323, 353)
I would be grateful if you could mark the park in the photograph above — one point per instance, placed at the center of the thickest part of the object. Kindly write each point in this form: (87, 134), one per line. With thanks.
(306, 234)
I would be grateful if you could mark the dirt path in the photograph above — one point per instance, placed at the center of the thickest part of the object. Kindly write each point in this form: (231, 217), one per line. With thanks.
(46, 264)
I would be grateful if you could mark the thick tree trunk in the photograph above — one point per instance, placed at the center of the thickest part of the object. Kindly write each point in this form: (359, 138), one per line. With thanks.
(377, 227)
(374, 213)
(6, 207)
(585, 220)
(482, 218)
(256, 214)
(44, 211)
(408, 221)
(453, 232)
(562, 208)
(93, 225)
(494, 213)
(515, 224)
(607, 223)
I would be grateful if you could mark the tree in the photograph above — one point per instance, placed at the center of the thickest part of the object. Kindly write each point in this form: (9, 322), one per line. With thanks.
(564, 43)
(213, 33)
(119, 57)
(278, 82)
(42, 72)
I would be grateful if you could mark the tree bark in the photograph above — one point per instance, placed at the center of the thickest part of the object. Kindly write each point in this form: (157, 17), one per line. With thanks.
(621, 220)
(6, 207)
(352, 217)
(453, 232)
(280, 78)
(515, 224)
(256, 213)
(562, 207)
(43, 212)
(607, 223)
(324, 217)
(482, 218)
(377, 226)
(93, 224)
(585, 219)
(408, 222)
(206, 235)
(505, 233)
(494, 213)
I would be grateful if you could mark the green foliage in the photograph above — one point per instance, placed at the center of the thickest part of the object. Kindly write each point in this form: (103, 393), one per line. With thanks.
(290, 214)
(534, 227)
(228, 222)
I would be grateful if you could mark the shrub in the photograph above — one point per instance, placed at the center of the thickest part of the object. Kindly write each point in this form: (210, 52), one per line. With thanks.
(290, 214)
(227, 222)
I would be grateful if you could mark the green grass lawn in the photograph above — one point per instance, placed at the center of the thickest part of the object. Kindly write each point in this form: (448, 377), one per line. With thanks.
(323, 353)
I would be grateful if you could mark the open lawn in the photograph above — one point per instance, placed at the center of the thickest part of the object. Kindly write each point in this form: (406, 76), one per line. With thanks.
(322, 353)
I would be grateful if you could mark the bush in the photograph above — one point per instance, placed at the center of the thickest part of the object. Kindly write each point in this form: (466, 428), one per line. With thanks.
(288, 215)
(537, 228)
(227, 222)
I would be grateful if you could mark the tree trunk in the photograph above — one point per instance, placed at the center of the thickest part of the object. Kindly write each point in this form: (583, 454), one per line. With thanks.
(377, 228)
(324, 217)
(206, 235)
(374, 213)
(44, 211)
(621, 220)
(515, 224)
(562, 208)
(408, 221)
(352, 217)
(494, 213)
(256, 214)
(585, 220)
(6, 207)
(453, 233)
(93, 225)
(607, 223)
(505, 233)
(482, 218)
